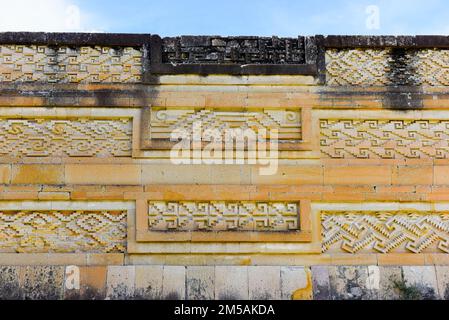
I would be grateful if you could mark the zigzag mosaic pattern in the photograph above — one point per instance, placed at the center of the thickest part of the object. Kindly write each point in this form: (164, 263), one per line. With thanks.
(384, 139)
(19, 63)
(222, 216)
(63, 231)
(62, 138)
(165, 121)
(385, 232)
(381, 67)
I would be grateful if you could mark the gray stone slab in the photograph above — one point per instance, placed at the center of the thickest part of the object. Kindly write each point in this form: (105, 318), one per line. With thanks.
(264, 282)
(321, 283)
(42, 282)
(350, 283)
(231, 283)
(120, 283)
(200, 283)
(148, 282)
(9, 283)
(174, 283)
(420, 283)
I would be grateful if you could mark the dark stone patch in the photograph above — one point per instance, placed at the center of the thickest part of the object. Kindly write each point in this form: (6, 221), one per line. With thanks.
(172, 296)
(320, 282)
(42, 282)
(235, 50)
(402, 72)
(9, 283)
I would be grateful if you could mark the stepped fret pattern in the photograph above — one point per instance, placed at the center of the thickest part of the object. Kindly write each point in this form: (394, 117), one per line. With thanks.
(222, 216)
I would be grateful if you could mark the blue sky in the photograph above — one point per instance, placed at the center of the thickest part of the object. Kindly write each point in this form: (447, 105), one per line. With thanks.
(231, 17)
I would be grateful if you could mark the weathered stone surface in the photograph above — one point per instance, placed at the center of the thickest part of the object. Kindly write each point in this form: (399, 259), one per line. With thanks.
(120, 282)
(442, 273)
(231, 283)
(149, 282)
(9, 283)
(174, 283)
(240, 50)
(42, 282)
(321, 283)
(296, 283)
(390, 277)
(420, 283)
(264, 283)
(200, 283)
(93, 283)
(349, 283)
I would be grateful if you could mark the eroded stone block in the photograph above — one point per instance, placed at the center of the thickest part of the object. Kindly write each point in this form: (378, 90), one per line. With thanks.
(120, 282)
(231, 283)
(296, 283)
(9, 283)
(420, 283)
(149, 282)
(200, 283)
(321, 283)
(174, 283)
(264, 283)
(42, 282)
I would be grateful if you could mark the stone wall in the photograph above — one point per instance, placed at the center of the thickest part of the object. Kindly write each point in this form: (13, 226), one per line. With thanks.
(87, 176)
(225, 282)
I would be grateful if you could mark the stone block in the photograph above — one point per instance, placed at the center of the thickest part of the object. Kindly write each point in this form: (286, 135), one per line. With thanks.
(353, 175)
(120, 282)
(37, 174)
(351, 283)
(200, 283)
(109, 174)
(443, 281)
(149, 282)
(174, 283)
(231, 283)
(264, 282)
(9, 283)
(296, 283)
(420, 283)
(390, 277)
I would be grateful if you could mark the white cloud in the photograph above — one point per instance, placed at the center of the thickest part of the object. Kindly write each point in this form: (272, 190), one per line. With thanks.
(43, 15)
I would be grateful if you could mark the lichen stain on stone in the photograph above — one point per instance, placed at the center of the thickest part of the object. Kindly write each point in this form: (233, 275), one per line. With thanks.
(402, 72)
(307, 292)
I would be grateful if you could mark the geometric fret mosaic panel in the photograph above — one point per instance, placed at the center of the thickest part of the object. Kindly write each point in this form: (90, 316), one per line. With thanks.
(223, 216)
(385, 231)
(97, 64)
(376, 67)
(66, 231)
(65, 138)
(384, 139)
(164, 121)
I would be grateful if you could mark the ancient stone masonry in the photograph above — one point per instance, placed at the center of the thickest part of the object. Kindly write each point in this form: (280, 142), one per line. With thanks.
(56, 231)
(381, 67)
(359, 171)
(65, 137)
(239, 50)
(222, 216)
(384, 139)
(165, 121)
(385, 232)
(23, 63)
